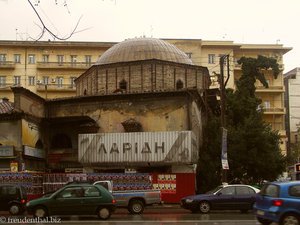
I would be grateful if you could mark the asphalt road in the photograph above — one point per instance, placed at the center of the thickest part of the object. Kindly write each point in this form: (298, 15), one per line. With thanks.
(157, 215)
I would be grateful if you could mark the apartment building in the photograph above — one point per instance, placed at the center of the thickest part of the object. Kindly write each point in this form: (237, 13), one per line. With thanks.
(49, 68)
(46, 68)
(292, 103)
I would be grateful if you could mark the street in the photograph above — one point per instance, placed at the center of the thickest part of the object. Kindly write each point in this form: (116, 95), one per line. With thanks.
(156, 215)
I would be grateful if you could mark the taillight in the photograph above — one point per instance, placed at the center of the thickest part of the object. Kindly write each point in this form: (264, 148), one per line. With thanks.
(277, 202)
(23, 201)
(113, 201)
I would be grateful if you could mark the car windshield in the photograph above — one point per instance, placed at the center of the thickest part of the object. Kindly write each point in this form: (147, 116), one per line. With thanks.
(214, 190)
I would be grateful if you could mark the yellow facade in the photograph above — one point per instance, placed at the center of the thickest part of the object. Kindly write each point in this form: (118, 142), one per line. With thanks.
(49, 68)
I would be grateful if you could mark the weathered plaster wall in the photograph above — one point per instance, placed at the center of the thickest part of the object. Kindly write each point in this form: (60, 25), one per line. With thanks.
(10, 134)
(31, 133)
(162, 114)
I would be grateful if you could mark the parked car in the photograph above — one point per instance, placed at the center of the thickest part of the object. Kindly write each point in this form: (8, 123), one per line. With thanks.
(229, 197)
(134, 200)
(278, 202)
(74, 199)
(13, 198)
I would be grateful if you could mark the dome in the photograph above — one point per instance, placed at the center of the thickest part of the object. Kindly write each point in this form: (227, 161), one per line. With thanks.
(141, 49)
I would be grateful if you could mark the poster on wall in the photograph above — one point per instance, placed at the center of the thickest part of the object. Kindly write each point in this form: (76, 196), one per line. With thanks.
(14, 166)
(166, 183)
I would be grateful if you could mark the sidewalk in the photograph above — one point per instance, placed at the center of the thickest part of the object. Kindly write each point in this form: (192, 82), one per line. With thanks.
(166, 205)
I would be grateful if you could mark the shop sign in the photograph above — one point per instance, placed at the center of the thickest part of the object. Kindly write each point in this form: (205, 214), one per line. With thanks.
(14, 166)
(6, 151)
(34, 152)
(150, 147)
(73, 170)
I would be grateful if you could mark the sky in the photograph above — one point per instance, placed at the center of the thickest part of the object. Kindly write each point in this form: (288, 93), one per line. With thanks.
(247, 22)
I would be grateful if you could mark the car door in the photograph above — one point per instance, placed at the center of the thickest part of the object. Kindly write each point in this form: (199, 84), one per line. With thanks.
(244, 198)
(224, 198)
(3, 201)
(92, 199)
(8, 194)
(68, 202)
(264, 198)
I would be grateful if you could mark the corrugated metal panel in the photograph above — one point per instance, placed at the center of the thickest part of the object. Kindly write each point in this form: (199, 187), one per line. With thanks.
(168, 147)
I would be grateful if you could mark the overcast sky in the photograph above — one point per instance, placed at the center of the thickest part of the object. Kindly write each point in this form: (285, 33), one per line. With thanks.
(248, 21)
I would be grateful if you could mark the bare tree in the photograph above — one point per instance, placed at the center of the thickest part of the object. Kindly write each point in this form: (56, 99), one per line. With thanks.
(45, 29)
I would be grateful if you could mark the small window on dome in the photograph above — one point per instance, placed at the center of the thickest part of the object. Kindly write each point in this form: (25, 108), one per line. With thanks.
(123, 85)
(179, 84)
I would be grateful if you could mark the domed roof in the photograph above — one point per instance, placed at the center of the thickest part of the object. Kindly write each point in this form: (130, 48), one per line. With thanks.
(141, 49)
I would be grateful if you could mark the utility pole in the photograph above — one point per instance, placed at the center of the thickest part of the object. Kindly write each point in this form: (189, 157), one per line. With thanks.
(224, 159)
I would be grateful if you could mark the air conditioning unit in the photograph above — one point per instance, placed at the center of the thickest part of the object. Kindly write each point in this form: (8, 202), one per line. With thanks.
(53, 80)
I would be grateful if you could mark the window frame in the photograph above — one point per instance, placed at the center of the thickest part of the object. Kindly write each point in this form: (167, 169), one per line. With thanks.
(45, 58)
(17, 80)
(17, 58)
(31, 80)
(3, 57)
(2, 81)
(60, 59)
(211, 58)
(31, 58)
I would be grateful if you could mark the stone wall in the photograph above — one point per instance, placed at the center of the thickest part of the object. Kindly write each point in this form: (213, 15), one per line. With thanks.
(141, 76)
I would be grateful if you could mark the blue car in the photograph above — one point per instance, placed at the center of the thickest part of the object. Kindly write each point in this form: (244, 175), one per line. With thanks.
(225, 197)
(278, 202)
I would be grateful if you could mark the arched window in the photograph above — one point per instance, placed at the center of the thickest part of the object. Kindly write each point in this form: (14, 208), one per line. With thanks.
(179, 84)
(61, 141)
(123, 85)
(39, 144)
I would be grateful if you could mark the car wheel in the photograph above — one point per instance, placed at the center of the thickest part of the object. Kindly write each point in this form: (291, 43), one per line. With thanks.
(204, 207)
(290, 219)
(40, 212)
(263, 221)
(14, 209)
(136, 207)
(103, 213)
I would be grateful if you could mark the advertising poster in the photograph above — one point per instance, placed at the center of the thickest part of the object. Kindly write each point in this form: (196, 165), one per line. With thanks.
(166, 183)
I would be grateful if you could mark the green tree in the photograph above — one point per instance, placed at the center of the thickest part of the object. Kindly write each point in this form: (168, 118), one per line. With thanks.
(253, 147)
(209, 168)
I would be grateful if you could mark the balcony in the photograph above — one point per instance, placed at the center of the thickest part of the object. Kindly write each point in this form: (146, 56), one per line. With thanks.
(7, 65)
(64, 65)
(271, 88)
(239, 66)
(274, 110)
(7, 86)
(56, 88)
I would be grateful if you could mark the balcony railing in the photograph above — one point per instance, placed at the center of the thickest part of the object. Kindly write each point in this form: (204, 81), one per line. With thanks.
(55, 87)
(7, 65)
(274, 110)
(239, 66)
(7, 86)
(271, 88)
(64, 65)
